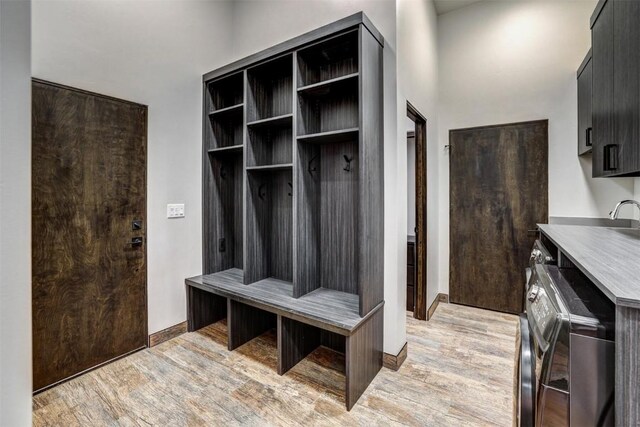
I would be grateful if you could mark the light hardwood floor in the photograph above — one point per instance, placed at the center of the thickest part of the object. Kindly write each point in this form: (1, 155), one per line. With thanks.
(459, 372)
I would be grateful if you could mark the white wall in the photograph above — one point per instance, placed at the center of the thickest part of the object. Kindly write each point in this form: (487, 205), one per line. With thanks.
(503, 62)
(274, 21)
(15, 213)
(418, 83)
(154, 53)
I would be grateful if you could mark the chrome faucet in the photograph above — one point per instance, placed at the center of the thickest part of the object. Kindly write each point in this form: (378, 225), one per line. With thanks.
(614, 213)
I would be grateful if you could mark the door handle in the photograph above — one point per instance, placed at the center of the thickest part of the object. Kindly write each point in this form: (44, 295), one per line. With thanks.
(588, 142)
(610, 157)
(135, 242)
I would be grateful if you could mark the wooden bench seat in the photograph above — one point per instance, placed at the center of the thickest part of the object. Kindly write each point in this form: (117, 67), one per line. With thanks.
(322, 317)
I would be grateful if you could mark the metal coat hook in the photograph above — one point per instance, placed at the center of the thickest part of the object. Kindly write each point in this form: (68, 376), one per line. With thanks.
(261, 193)
(348, 160)
(312, 170)
(291, 188)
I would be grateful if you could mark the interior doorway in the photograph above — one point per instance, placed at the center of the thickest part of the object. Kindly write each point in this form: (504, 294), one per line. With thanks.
(417, 214)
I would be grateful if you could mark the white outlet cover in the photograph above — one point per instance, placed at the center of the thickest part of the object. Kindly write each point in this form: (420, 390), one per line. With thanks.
(175, 210)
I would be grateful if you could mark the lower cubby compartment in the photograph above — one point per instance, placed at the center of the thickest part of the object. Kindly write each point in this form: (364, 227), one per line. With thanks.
(296, 340)
(269, 225)
(204, 308)
(327, 217)
(245, 323)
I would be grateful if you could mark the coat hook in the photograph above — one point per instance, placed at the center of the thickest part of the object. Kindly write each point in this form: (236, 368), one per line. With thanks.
(261, 192)
(348, 160)
(223, 172)
(291, 188)
(311, 170)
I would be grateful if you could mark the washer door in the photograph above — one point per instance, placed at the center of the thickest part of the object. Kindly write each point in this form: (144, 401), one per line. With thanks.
(526, 376)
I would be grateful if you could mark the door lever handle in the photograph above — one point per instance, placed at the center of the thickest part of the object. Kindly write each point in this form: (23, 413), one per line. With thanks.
(135, 241)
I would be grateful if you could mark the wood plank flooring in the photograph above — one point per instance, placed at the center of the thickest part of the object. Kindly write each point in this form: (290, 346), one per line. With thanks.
(459, 372)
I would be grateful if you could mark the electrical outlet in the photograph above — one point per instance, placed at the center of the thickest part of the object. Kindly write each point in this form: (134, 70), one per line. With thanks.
(175, 210)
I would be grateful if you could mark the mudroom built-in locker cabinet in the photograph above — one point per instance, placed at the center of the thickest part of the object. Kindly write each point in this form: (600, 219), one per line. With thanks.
(293, 199)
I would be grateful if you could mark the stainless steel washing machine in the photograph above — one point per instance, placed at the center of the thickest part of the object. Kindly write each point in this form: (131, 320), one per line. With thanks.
(566, 359)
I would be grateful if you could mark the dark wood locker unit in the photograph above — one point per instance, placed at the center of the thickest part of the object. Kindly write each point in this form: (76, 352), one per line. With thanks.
(585, 128)
(615, 32)
(293, 198)
(411, 272)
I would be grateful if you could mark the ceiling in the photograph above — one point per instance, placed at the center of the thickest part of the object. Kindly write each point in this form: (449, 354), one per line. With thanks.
(444, 6)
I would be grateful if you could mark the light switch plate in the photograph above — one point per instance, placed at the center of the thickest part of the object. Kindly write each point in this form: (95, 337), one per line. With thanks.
(175, 210)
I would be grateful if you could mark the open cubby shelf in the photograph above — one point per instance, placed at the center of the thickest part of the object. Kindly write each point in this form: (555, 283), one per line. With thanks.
(282, 120)
(225, 93)
(324, 86)
(226, 150)
(227, 110)
(270, 89)
(269, 145)
(266, 168)
(328, 108)
(293, 199)
(333, 136)
(328, 59)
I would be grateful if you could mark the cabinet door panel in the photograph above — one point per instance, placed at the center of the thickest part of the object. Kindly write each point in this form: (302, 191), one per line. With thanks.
(626, 78)
(602, 41)
(585, 135)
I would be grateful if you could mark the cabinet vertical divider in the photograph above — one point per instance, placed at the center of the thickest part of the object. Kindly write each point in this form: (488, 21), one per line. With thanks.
(245, 186)
(294, 171)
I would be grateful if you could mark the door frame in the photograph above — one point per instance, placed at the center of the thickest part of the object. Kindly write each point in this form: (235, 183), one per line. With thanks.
(420, 311)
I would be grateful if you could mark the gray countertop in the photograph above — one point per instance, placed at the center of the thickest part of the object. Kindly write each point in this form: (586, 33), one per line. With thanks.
(610, 257)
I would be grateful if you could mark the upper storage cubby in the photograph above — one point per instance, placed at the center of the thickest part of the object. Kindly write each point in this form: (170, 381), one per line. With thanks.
(328, 82)
(224, 109)
(270, 90)
(225, 93)
(330, 59)
(329, 113)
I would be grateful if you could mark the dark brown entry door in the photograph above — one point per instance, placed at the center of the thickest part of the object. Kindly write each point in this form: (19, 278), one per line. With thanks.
(498, 193)
(88, 255)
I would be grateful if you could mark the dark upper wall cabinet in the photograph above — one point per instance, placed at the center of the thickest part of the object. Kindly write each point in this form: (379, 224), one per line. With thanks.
(585, 128)
(615, 31)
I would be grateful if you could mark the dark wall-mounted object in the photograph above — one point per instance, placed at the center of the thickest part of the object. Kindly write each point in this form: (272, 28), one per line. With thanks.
(293, 187)
(615, 32)
(585, 127)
